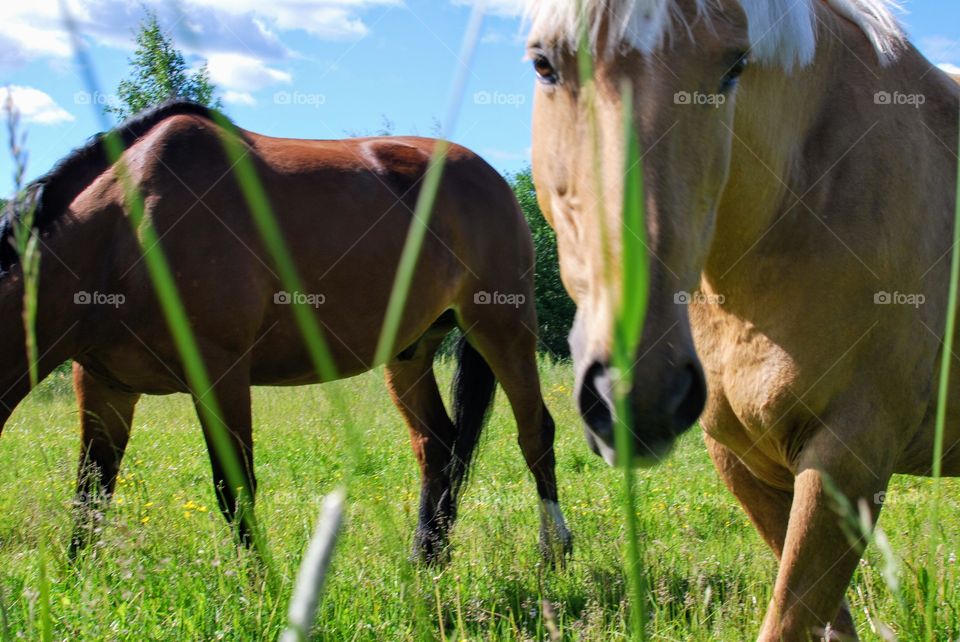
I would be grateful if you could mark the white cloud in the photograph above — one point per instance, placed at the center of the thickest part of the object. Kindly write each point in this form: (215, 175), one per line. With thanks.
(950, 68)
(940, 48)
(239, 98)
(31, 29)
(506, 156)
(36, 106)
(492, 38)
(505, 8)
(244, 73)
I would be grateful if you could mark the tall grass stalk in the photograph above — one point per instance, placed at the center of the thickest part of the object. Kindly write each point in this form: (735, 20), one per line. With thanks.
(259, 204)
(419, 224)
(185, 341)
(942, 398)
(25, 237)
(628, 328)
(313, 569)
(628, 323)
(44, 614)
(4, 618)
(270, 231)
(174, 312)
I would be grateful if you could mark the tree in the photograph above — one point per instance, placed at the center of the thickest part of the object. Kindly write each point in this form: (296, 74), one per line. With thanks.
(158, 73)
(555, 309)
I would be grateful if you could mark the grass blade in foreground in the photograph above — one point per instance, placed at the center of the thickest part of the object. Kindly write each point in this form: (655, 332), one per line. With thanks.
(174, 312)
(25, 237)
(44, 615)
(428, 194)
(270, 232)
(942, 395)
(186, 343)
(628, 329)
(628, 324)
(313, 569)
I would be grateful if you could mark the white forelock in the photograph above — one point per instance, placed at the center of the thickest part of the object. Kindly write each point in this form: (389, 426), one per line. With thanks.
(782, 32)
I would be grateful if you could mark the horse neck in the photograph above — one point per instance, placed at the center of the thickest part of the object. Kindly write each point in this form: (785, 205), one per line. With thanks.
(775, 116)
(792, 132)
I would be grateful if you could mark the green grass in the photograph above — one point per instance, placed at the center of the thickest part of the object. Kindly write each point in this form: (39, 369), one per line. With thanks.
(166, 567)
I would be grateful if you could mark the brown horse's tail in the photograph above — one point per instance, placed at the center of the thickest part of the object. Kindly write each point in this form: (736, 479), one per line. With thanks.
(473, 388)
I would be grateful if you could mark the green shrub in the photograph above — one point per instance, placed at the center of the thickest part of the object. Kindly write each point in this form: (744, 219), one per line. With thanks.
(555, 309)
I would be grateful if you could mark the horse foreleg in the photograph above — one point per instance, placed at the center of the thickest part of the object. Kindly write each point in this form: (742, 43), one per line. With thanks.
(105, 417)
(413, 387)
(819, 555)
(230, 440)
(768, 509)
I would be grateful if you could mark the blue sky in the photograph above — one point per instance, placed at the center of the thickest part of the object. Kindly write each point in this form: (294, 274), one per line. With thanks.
(332, 69)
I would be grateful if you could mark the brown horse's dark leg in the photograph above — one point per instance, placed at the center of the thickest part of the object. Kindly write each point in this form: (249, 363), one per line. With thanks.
(105, 417)
(509, 347)
(231, 443)
(413, 387)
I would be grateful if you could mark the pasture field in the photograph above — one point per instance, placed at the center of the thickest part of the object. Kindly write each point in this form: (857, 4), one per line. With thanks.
(166, 567)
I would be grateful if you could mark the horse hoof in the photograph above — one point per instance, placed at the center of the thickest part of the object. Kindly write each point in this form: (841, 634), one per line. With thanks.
(79, 545)
(430, 550)
(556, 549)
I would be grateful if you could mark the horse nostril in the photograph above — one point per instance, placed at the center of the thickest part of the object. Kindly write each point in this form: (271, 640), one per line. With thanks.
(688, 397)
(594, 401)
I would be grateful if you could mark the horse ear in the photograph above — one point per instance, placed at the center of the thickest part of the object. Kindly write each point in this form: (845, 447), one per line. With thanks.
(35, 197)
(30, 199)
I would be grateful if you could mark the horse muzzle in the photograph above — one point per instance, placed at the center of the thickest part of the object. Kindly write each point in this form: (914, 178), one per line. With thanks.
(667, 394)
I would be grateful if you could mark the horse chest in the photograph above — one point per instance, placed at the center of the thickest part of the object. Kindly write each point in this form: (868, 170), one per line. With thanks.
(752, 407)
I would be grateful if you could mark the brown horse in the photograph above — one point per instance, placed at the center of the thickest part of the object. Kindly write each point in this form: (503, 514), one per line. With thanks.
(799, 233)
(344, 208)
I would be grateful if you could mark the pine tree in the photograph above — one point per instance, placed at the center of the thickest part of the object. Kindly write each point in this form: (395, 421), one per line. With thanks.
(159, 73)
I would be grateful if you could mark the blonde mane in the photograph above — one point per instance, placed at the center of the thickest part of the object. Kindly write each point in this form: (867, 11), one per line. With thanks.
(782, 32)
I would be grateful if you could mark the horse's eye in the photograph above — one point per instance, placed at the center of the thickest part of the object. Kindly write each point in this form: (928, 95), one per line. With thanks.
(729, 79)
(545, 71)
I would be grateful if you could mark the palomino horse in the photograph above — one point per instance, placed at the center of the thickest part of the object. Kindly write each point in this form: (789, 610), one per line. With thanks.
(806, 199)
(344, 208)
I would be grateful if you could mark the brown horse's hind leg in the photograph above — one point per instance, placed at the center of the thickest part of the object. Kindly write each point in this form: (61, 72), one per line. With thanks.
(105, 417)
(413, 387)
(769, 510)
(234, 446)
(507, 342)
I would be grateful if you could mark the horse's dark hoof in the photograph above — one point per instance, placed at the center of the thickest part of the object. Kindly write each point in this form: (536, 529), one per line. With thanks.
(556, 548)
(81, 540)
(75, 551)
(430, 549)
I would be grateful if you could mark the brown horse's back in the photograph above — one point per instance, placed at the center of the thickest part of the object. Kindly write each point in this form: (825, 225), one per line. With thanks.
(344, 208)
